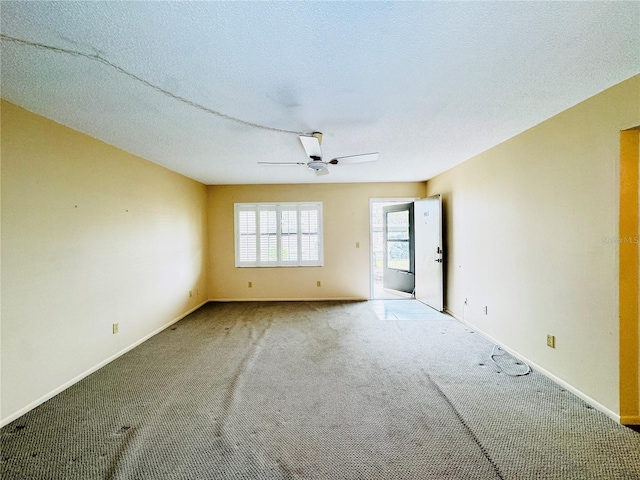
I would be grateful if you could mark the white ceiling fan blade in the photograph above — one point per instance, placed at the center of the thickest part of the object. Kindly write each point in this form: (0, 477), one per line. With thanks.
(281, 163)
(311, 146)
(364, 157)
(322, 171)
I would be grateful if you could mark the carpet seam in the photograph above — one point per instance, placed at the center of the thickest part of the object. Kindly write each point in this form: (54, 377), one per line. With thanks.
(472, 435)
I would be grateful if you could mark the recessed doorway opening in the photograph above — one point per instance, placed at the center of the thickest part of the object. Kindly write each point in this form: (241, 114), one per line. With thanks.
(377, 290)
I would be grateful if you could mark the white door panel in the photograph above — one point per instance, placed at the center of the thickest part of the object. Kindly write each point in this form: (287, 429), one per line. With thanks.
(429, 260)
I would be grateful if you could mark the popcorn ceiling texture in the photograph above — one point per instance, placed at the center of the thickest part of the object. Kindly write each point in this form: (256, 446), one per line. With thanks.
(427, 84)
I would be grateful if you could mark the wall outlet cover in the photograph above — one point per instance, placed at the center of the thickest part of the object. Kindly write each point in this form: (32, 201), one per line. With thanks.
(551, 341)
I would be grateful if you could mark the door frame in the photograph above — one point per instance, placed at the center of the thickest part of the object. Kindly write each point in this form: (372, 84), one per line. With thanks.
(629, 278)
(371, 250)
(399, 279)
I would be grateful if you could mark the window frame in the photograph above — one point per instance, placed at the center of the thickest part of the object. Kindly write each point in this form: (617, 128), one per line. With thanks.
(278, 208)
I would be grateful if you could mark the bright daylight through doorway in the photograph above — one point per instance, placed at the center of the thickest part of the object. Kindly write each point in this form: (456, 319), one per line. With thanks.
(378, 291)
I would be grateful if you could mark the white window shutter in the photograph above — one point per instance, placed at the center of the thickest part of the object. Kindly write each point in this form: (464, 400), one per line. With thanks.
(272, 235)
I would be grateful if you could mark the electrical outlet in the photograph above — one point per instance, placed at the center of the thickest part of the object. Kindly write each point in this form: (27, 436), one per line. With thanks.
(115, 328)
(318, 283)
(551, 341)
(190, 293)
(357, 244)
(250, 285)
(485, 309)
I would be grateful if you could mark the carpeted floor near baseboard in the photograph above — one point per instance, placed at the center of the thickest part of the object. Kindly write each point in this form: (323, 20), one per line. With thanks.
(316, 390)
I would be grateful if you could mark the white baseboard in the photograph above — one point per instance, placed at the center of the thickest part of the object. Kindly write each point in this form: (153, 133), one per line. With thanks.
(297, 299)
(594, 403)
(64, 386)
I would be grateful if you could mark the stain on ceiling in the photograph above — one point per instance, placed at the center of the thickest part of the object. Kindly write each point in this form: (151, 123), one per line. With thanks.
(228, 84)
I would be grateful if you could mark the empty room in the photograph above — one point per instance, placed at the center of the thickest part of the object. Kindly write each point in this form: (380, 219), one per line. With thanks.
(319, 240)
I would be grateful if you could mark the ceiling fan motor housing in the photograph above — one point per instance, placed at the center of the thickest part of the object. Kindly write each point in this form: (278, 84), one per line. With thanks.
(316, 164)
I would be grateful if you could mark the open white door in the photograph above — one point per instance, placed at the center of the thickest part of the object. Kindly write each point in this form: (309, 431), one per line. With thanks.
(429, 273)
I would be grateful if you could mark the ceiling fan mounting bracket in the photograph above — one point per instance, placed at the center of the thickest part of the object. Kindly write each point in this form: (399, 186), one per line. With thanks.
(318, 135)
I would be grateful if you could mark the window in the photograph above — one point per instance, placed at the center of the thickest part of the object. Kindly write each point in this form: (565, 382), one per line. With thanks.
(278, 234)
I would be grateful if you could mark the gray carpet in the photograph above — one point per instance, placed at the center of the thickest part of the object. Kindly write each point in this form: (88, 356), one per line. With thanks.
(316, 390)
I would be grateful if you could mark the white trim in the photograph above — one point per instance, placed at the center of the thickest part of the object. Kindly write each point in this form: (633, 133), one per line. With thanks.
(64, 386)
(371, 259)
(594, 403)
(293, 299)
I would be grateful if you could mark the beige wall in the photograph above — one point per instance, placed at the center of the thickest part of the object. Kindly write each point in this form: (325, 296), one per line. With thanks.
(530, 233)
(91, 235)
(345, 273)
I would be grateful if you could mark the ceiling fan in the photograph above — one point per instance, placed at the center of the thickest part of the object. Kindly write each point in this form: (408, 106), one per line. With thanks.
(311, 144)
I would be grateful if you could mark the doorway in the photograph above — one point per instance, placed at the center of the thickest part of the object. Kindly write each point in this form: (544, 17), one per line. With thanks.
(399, 247)
(377, 242)
(629, 274)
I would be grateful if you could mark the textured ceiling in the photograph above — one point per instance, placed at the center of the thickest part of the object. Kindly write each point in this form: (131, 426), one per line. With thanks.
(428, 85)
